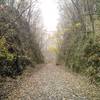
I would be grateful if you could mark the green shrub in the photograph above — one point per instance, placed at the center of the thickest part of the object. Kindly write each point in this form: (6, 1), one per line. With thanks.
(10, 62)
(92, 54)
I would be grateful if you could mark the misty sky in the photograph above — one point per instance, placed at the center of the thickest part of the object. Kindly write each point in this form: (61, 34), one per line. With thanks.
(50, 14)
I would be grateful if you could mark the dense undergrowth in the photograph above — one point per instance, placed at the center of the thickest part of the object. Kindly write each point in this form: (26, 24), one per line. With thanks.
(18, 47)
(82, 57)
(80, 43)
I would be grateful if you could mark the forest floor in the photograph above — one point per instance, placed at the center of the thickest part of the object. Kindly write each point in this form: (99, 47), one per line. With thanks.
(52, 82)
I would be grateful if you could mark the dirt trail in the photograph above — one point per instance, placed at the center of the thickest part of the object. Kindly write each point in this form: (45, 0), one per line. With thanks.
(51, 82)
